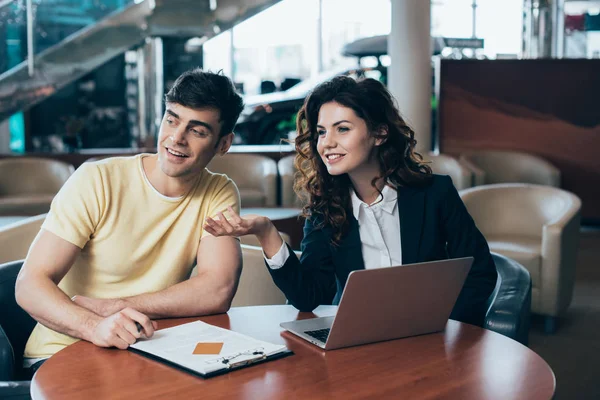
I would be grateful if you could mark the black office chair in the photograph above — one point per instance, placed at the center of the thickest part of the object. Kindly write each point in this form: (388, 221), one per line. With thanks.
(15, 327)
(510, 302)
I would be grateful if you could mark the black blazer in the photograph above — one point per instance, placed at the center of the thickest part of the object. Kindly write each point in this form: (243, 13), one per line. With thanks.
(434, 225)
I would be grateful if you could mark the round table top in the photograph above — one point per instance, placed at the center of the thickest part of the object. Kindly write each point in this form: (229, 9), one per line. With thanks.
(463, 361)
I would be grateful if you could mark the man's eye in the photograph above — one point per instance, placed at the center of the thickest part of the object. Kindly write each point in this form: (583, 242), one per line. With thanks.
(199, 133)
(169, 121)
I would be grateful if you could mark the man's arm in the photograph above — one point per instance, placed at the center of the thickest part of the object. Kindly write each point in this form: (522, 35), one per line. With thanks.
(219, 262)
(49, 259)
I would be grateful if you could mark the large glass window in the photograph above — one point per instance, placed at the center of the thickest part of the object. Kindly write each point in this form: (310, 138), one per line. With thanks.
(217, 53)
(345, 21)
(499, 24)
(277, 44)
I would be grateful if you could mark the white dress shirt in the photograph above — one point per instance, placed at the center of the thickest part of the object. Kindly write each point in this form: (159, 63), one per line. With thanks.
(379, 230)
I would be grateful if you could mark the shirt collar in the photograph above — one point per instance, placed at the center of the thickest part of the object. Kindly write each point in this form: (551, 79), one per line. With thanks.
(390, 199)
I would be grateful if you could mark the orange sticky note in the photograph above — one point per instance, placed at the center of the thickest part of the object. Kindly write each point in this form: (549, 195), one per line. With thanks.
(204, 348)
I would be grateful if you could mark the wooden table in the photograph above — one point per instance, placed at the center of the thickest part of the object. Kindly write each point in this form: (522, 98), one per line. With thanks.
(463, 362)
(286, 220)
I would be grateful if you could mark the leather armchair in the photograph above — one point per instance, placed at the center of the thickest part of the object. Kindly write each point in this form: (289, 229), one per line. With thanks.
(15, 327)
(443, 164)
(510, 302)
(537, 226)
(254, 175)
(256, 286)
(491, 167)
(28, 185)
(16, 238)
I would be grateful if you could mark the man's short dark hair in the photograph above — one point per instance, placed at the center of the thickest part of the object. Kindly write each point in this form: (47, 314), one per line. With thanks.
(202, 89)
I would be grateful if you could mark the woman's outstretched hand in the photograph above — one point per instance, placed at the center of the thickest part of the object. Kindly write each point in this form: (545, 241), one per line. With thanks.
(235, 226)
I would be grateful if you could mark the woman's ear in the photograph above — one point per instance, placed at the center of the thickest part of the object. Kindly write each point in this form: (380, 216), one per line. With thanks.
(382, 135)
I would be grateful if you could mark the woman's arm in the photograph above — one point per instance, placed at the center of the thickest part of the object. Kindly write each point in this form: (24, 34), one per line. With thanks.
(308, 282)
(463, 240)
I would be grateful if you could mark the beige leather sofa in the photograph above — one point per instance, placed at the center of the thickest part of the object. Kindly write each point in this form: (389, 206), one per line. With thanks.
(254, 175)
(537, 226)
(444, 164)
(16, 238)
(28, 185)
(510, 167)
(287, 172)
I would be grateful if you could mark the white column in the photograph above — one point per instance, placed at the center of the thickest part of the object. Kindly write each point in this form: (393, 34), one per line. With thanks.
(409, 75)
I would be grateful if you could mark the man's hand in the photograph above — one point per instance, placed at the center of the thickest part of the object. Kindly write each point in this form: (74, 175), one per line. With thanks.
(120, 329)
(101, 307)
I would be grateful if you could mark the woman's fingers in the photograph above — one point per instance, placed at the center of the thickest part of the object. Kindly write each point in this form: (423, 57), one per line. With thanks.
(234, 216)
(225, 223)
(213, 227)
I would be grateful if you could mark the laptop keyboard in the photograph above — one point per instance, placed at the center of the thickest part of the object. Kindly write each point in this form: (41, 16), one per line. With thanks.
(320, 334)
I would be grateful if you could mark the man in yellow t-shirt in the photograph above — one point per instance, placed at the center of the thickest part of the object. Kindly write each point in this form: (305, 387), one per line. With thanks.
(123, 234)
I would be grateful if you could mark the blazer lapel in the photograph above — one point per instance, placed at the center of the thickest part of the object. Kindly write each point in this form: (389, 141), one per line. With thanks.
(410, 209)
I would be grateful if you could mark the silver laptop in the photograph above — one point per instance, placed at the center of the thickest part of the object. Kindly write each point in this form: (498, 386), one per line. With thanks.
(389, 303)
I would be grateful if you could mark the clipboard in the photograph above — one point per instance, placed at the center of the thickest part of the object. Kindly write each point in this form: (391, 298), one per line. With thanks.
(225, 370)
(175, 347)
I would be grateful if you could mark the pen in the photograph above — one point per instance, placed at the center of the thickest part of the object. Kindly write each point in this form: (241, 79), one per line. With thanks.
(139, 326)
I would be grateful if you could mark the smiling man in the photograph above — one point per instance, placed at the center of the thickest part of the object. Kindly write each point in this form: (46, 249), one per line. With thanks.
(123, 234)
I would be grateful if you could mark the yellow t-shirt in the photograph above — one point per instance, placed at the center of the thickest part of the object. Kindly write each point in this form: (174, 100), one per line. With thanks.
(134, 240)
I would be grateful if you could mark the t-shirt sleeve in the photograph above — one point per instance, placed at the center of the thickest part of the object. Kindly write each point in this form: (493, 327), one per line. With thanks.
(225, 194)
(77, 208)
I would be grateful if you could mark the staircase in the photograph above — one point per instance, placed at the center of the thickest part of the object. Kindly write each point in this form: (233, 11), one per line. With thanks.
(128, 26)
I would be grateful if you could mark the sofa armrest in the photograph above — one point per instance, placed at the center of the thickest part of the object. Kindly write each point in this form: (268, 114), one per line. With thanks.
(510, 302)
(477, 174)
(15, 390)
(7, 358)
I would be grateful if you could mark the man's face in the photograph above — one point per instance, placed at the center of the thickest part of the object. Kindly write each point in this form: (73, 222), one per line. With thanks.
(189, 139)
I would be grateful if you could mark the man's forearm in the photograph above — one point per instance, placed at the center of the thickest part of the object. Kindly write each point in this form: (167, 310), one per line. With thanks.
(193, 297)
(51, 307)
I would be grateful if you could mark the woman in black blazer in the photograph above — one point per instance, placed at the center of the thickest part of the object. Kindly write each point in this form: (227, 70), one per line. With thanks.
(352, 147)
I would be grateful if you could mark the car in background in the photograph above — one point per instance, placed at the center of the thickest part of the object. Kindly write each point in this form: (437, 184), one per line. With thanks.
(269, 118)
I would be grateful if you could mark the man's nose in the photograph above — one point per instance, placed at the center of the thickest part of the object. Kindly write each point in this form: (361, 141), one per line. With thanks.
(178, 136)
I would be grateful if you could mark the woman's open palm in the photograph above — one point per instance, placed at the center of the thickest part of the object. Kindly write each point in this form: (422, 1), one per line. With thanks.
(234, 226)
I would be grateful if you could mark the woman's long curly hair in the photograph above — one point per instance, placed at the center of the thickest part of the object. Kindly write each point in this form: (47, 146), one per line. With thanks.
(328, 197)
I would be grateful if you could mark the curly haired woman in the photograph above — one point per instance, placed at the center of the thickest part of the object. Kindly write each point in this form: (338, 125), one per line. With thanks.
(370, 202)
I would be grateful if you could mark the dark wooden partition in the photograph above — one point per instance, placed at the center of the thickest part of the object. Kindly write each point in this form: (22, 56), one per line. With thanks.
(547, 107)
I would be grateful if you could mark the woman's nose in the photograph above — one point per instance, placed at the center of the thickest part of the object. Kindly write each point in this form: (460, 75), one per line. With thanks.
(327, 140)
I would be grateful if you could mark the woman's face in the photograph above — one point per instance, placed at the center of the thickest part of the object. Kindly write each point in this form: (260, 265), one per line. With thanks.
(344, 142)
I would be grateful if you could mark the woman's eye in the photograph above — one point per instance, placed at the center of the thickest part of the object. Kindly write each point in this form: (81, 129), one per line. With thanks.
(343, 129)
(321, 132)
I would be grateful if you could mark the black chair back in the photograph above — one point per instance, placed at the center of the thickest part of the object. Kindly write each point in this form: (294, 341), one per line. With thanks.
(510, 303)
(14, 321)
